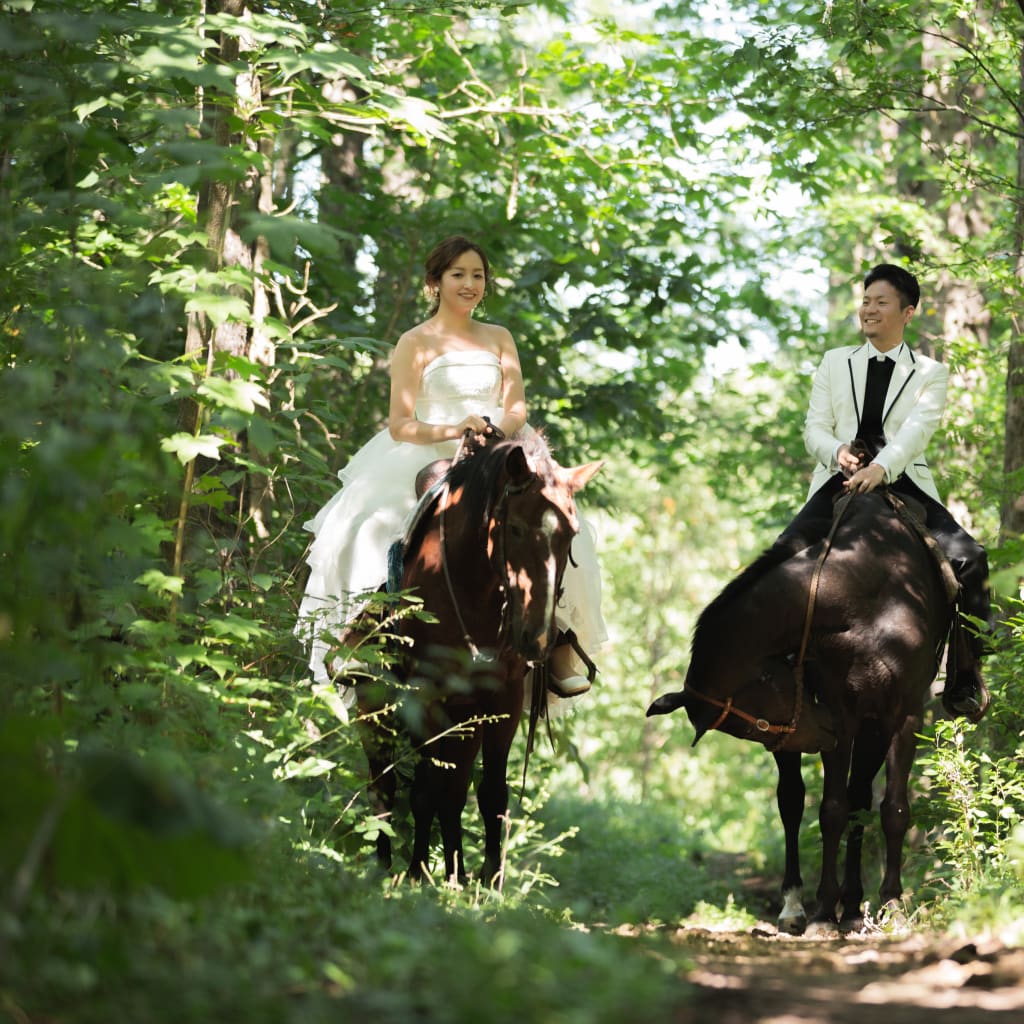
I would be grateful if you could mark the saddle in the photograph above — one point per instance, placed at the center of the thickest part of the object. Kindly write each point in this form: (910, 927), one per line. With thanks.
(433, 485)
(912, 514)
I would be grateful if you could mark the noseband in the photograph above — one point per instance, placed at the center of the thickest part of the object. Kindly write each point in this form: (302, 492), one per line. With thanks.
(761, 724)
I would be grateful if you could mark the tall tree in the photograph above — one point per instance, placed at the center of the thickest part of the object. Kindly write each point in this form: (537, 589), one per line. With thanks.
(1012, 512)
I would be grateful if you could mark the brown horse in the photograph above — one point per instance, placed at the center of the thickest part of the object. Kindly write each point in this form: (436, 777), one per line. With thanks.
(487, 558)
(830, 649)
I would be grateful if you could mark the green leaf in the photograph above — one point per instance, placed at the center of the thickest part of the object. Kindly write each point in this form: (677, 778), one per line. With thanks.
(220, 308)
(332, 700)
(160, 583)
(308, 768)
(417, 114)
(242, 395)
(187, 446)
(262, 436)
(332, 62)
(235, 627)
(285, 231)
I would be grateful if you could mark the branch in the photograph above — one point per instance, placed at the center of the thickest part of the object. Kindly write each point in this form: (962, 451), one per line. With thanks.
(967, 48)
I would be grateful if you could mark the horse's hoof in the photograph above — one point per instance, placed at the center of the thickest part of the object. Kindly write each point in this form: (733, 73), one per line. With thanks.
(822, 930)
(795, 924)
(792, 917)
(851, 925)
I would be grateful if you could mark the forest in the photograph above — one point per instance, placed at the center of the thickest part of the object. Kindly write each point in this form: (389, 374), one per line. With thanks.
(215, 215)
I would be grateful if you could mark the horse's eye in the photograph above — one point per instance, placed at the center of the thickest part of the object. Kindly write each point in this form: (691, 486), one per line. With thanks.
(517, 530)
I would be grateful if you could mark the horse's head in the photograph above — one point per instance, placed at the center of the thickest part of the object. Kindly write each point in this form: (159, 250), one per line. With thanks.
(747, 675)
(764, 703)
(533, 522)
(489, 562)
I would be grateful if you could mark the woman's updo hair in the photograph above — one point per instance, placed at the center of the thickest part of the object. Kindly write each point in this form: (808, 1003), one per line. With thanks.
(442, 256)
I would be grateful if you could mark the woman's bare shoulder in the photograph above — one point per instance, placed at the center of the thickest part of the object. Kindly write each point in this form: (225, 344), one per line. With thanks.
(495, 334)
(414, 347)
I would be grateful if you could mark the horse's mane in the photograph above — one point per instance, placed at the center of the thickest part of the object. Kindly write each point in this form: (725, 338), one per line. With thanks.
(479, 472)
(857, 521)
(765, 562)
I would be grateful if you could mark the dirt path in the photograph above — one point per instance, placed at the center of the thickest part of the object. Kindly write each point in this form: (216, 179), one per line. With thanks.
(762, 976)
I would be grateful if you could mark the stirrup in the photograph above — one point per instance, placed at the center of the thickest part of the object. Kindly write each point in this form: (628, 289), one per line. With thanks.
(969, 699)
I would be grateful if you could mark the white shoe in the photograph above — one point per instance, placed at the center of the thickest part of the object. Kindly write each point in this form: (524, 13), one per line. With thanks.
(570, 686)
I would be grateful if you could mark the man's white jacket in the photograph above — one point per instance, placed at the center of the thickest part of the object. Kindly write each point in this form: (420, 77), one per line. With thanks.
(912, 411)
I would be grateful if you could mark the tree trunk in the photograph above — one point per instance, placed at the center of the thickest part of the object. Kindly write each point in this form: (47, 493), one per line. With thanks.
(1012, 505)
(221, 211)
(953, 308)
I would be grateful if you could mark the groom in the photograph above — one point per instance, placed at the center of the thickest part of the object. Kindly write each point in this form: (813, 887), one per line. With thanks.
(890, 400)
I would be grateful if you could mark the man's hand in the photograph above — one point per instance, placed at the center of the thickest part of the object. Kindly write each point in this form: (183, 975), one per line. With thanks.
(851, 458)
(865, 480)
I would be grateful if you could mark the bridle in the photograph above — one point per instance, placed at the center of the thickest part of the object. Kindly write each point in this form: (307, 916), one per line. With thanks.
(762, 724)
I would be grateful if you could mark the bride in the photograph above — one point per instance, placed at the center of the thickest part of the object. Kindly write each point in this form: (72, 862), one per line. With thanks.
(448, 374)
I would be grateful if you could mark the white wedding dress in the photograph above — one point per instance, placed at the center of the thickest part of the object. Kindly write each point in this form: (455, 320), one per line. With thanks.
(355, 529)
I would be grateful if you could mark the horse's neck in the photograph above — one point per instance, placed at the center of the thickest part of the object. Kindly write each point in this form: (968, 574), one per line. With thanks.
(768, 617)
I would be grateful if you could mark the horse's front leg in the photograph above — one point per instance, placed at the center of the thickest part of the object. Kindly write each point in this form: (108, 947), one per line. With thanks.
(423, 804)
(451, 763)
(833, 816)
(895, 809)
(376, 733)
(492, 793)
(790, 794)
(868, 754)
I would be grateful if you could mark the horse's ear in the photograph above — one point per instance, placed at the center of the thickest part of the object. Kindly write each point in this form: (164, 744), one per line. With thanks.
(667, 703)
(580, 476)
(517, 465)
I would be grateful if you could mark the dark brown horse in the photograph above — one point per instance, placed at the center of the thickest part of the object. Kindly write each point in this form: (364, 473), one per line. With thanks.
(487, 559)
(830, 649)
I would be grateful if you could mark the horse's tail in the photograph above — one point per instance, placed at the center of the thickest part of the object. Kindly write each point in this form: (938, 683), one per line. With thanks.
(667, 703)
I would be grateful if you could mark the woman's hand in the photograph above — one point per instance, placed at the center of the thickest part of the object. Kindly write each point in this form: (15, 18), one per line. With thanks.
(473, 423)
(490, 434)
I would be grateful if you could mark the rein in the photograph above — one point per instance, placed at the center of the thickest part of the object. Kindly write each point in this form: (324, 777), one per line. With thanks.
(762, 724)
